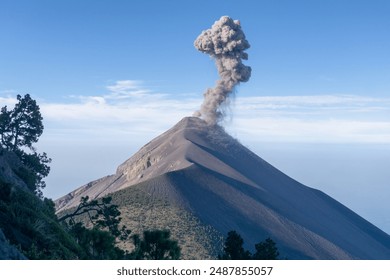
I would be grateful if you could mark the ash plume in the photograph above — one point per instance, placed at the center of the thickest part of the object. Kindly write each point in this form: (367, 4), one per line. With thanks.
(226, 43)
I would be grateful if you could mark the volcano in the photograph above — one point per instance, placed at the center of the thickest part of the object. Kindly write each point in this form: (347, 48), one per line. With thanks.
(200, 183)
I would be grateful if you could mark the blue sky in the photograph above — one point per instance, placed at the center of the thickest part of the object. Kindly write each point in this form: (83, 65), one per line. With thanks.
(298, 47)
(111, 75)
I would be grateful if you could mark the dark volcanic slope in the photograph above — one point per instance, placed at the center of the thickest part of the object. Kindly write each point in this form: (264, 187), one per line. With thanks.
(228, 187)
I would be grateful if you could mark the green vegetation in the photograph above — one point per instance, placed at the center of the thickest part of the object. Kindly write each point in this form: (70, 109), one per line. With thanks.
(156, 245)
(266, 250)
(20, 128)
(102, 214)
(26, 218)
(95, 244)
(100, 241)
(234, 250)
(31, 224)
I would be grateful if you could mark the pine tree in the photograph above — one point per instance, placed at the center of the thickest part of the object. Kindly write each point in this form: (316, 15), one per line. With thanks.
(266, 250)
(233, 249)
(156, 245)
(20, 128)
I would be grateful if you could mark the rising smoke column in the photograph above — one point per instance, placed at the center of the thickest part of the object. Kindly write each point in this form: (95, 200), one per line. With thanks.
(226, 43)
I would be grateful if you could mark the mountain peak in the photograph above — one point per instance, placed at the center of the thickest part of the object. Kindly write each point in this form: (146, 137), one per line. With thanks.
(210, 175)
(175, 149)
(190, 141)
(192, 122)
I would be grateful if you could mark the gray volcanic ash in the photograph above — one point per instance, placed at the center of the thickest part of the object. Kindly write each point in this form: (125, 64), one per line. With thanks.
(225, 42)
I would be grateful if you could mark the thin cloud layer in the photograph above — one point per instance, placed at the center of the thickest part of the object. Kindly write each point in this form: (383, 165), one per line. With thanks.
(129, 110)
(326, 118)
(125, 89)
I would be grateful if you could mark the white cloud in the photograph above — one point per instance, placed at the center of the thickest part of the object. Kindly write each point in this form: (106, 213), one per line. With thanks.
(126, 89)
(7, 101)
(130, 109)
(316, 103)
(115, 115)
(327, 118)
(124, 86)
(306, 130)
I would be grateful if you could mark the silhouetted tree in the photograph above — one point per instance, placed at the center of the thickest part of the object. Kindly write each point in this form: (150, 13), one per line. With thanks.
(156, 245)
(102, 214)
(99, 241)
(96, 244)
(20, 128)
(233, 249)
(266, 250)
(36, 167)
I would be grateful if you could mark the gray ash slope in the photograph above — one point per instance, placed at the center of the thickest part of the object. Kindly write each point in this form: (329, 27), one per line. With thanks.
(226, 186)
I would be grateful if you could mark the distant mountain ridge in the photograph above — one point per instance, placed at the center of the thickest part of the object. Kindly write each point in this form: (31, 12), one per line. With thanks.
(212, 177)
